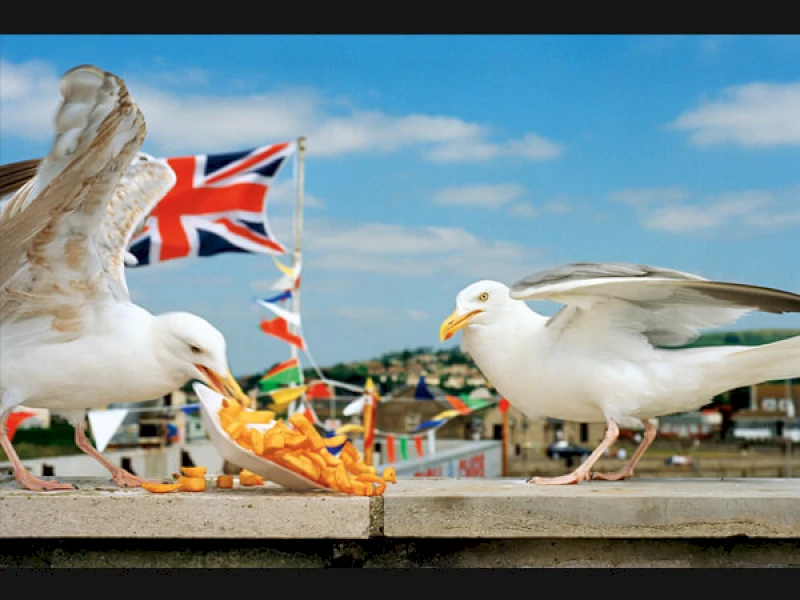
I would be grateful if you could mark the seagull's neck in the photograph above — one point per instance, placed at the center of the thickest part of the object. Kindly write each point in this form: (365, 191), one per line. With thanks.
(516, 330)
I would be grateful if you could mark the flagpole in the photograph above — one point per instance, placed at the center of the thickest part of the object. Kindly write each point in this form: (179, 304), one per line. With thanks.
(298, 237)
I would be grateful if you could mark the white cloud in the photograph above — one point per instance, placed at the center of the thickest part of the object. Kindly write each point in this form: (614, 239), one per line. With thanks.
(483, 195)
(190, 122)
(377, 313)
(524, 209)
(532, 147)
(647, 196)
(752, 115)
(558, 205)
(674, 210)
(404, 251)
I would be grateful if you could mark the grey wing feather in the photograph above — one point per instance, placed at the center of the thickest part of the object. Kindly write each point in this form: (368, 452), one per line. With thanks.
(669, 307)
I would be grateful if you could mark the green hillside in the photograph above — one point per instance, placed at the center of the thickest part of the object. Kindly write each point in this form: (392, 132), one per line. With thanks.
(746, 337)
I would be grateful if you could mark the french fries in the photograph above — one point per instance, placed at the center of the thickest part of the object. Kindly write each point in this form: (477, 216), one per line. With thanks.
(161, 488)
(194, 471)
(249, 478)
(299, 447)
(192, 484)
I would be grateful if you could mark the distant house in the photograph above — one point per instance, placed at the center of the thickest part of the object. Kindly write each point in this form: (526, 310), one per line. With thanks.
(773, 414)
(694, 425)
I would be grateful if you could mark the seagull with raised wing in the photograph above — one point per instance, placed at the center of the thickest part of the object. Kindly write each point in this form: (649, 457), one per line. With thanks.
(611, 354)
(71, 339)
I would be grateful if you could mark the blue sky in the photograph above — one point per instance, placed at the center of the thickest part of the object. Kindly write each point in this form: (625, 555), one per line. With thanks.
(435, 161)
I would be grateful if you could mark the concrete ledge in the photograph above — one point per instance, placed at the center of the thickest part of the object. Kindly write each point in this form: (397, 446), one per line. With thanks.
(101, 510)
(419, 522)
(657, 508)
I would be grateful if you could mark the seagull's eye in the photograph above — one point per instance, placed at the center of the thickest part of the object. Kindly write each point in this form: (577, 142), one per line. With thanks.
(195, 349)
(484, 296)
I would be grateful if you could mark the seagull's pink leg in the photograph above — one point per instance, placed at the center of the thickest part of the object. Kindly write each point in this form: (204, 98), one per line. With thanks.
(120, 476)
(21, 474)
(582, 472)
(627, 471)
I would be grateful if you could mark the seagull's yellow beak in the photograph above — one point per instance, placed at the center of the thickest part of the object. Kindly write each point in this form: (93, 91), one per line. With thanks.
(455, 322)
(225, 385)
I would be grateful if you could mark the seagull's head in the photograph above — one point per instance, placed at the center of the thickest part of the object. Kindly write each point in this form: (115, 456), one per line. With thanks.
(197, 349)
(481, 303)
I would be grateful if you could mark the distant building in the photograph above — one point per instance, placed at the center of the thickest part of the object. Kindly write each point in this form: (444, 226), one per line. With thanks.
(773, 415)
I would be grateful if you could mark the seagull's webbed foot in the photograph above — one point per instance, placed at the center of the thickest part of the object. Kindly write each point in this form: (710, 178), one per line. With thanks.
(29, 482)
(626, 472)
(120, 476)
(125, 479)
(21, 474)
(576, 476)
(583, 472)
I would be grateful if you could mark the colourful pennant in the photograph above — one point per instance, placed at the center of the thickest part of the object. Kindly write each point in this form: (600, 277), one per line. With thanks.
(290, 279)
(403, 448)
(291, 317)
(319, 391)
(389, 448)
(286, 373)
(283, 396)
(458, 405)
(280, 329)
(418, 445)
(503, 405)
(287, 295)
(355, 407)
(369, 388)
(350, 428)
(369, 427)
(447, 414)
(14, 420)
(474, 403)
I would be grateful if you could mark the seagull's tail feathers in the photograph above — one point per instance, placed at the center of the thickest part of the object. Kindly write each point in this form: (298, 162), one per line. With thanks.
(769, 362)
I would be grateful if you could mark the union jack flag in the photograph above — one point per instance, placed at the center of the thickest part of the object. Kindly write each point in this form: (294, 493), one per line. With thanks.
(218, 204)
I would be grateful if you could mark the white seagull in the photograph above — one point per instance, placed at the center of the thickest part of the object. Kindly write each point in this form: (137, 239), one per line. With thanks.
(605, 356)
(70, 337)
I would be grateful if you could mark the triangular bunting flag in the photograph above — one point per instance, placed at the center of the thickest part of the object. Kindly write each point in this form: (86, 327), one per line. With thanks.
(447, 414)
(356, 407)
(290, 279)
(285, 373)
(389, 441)
(319, 391)
(294, 273)
(422, 392)
(369, 388)
(104, 424)
(458, 404)
(287, 295)
(283, 396)
(291, 317)
(403, 448)
(350, 428)
(14, 420)
(280, 329)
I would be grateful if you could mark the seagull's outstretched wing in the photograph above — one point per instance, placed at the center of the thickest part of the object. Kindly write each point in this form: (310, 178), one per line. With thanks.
(51, 265)
(668, 307)
(145, 182)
